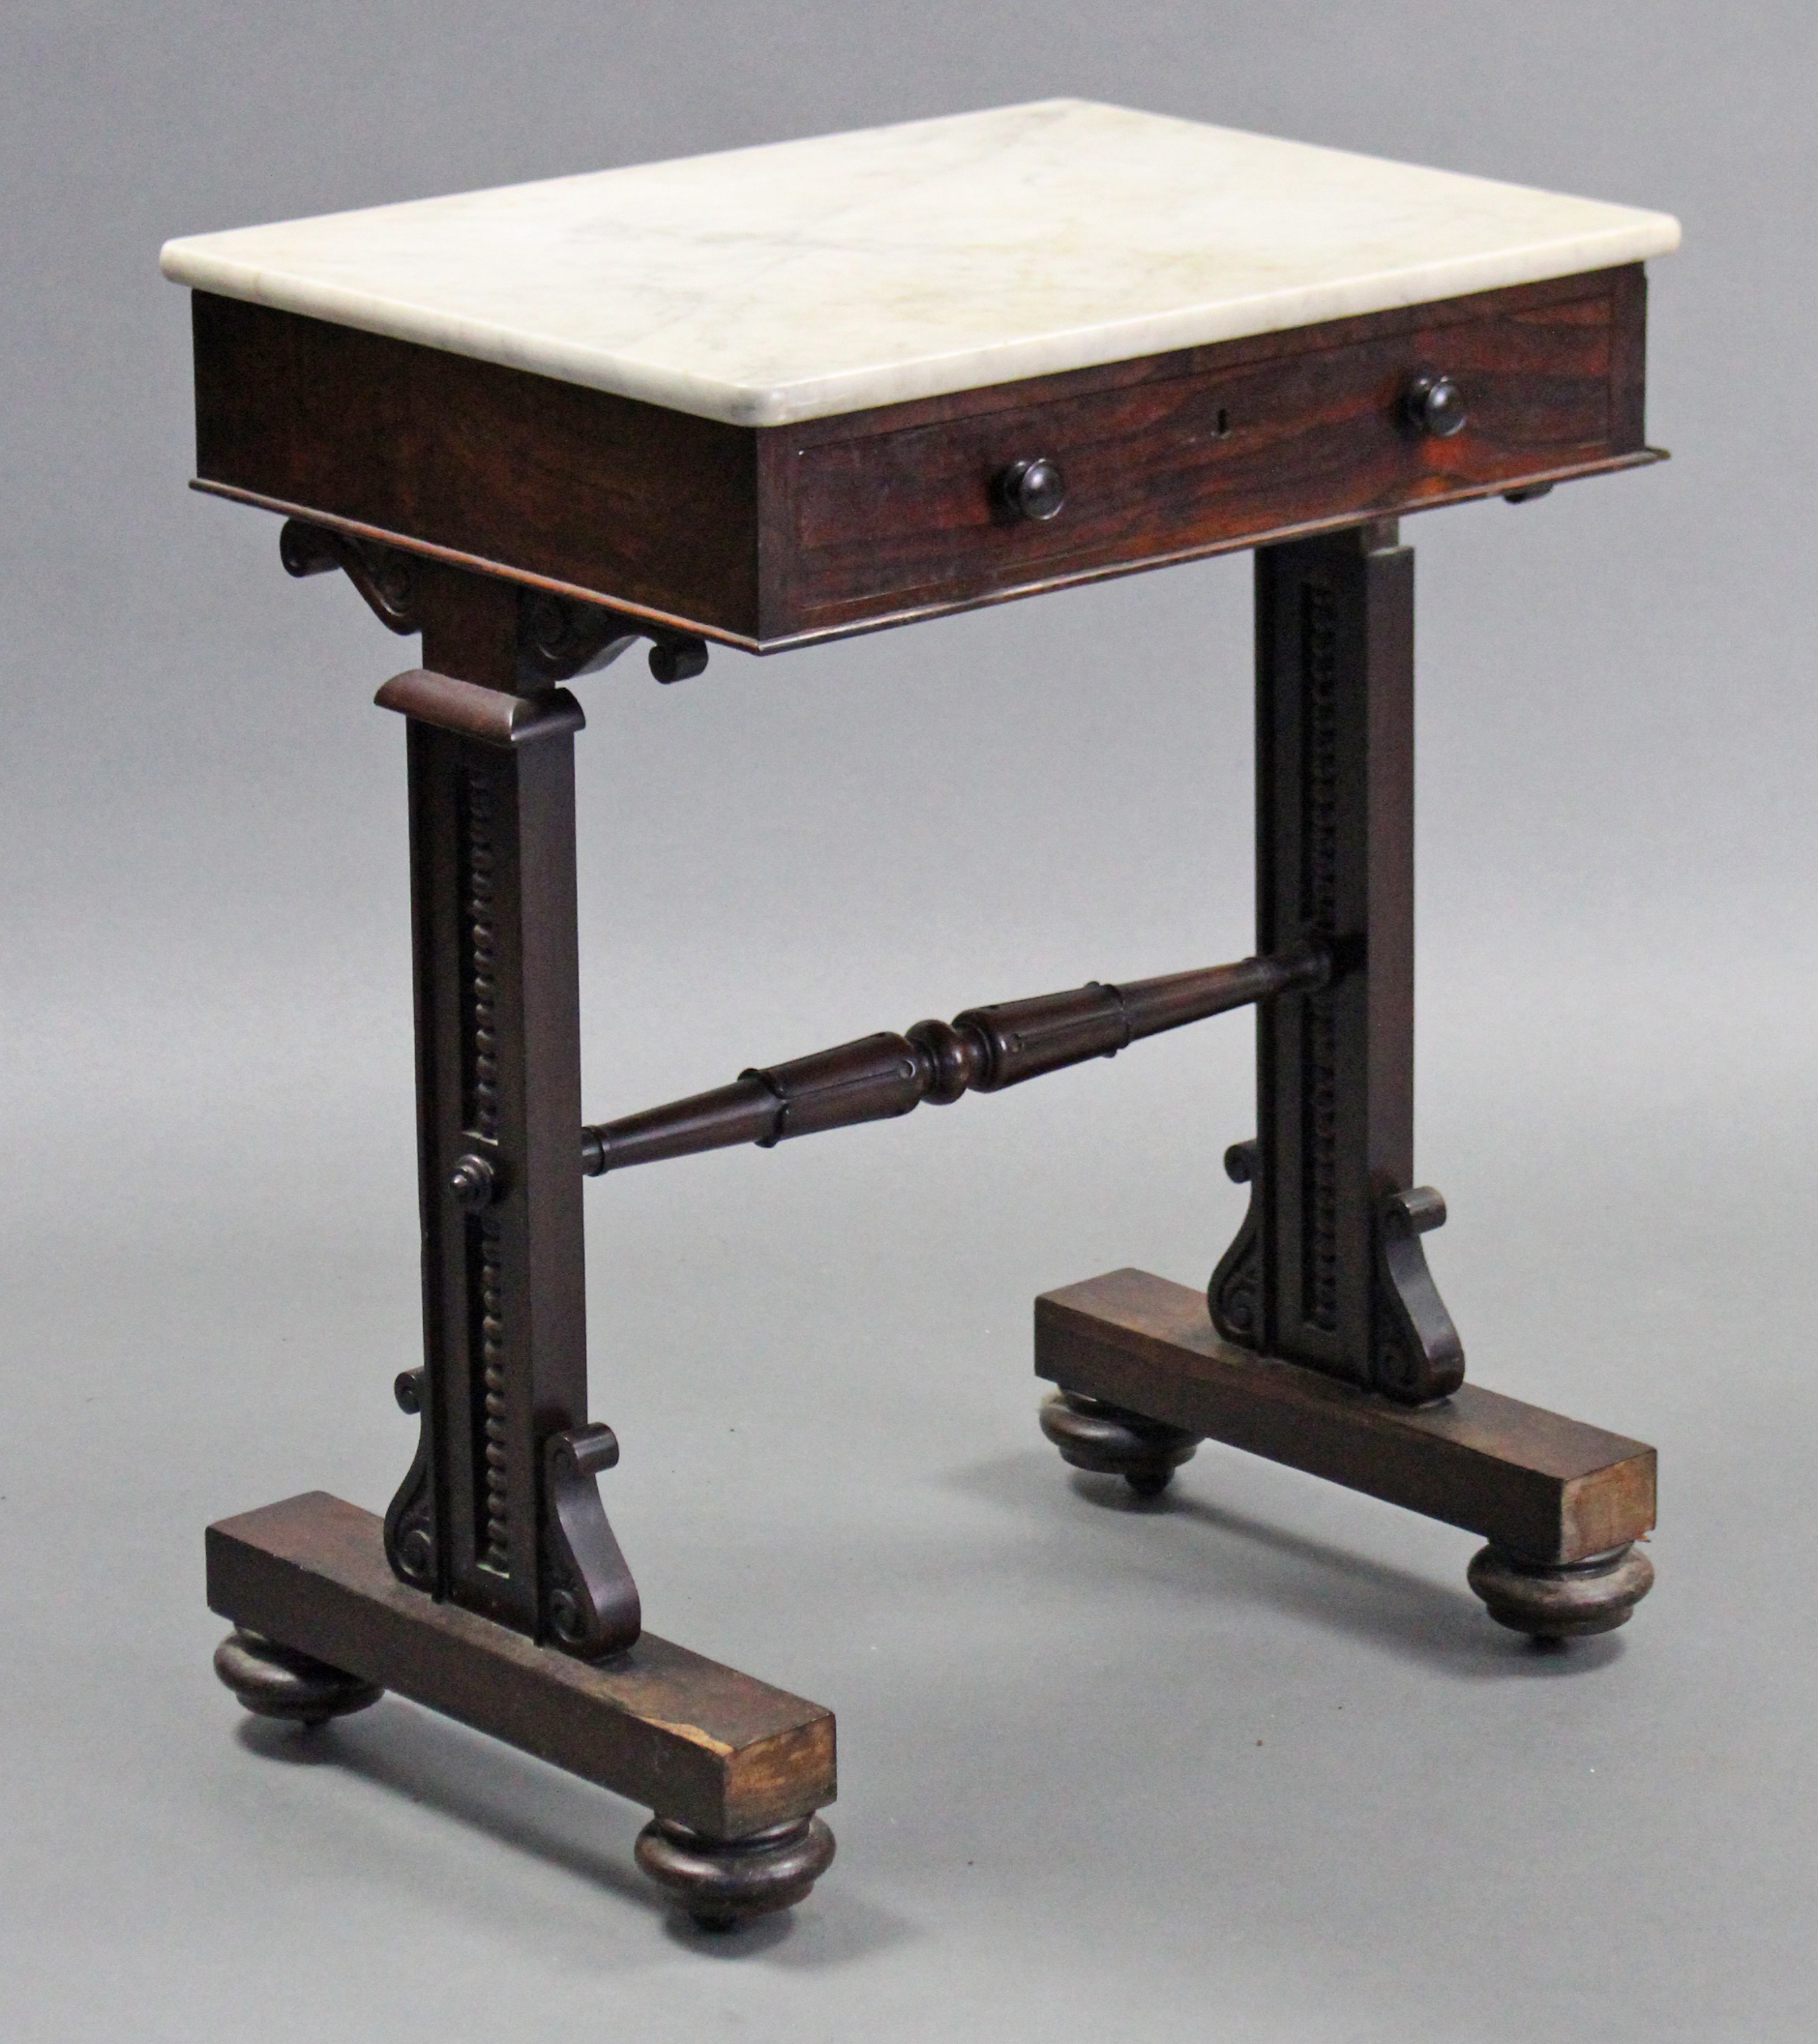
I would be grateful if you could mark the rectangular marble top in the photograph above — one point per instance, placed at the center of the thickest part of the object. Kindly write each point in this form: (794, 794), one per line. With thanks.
(802, 278)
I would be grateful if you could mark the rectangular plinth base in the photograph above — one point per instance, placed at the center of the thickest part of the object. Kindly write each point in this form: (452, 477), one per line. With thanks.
(681, 1735)
(1539, 1487)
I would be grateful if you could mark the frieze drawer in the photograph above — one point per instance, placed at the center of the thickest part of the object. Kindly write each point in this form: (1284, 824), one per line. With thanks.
(1188, 454)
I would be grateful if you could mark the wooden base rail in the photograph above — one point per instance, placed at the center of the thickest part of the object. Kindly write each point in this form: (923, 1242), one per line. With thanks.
(982, 1050)
(732, 1768)
(1143, 1376)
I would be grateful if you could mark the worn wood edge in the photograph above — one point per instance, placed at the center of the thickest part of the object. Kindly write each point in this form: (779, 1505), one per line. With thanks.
(1425, 1459)
(667, 1752)
(1614, 1507)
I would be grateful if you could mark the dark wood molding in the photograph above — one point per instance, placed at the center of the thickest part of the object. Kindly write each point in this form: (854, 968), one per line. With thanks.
(481, 565)
(777, 535)
(1628, 356)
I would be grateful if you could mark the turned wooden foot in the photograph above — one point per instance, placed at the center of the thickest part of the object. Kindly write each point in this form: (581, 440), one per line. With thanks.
(1562, 1601)
(721, 1881)
(1110, 1442)
(275, 1681)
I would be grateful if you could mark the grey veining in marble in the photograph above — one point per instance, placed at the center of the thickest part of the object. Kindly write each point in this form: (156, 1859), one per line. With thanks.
(802, 278)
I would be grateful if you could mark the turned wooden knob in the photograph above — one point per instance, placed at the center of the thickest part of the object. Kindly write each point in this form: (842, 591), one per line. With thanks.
(1032, 490)
(1434, 403)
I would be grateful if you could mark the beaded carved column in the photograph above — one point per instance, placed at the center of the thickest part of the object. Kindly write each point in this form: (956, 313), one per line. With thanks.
(499, 1512)
(1328, 1269)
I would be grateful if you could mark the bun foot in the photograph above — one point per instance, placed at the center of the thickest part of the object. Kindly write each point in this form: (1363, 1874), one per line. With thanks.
(1562, 1601)
(721, 1881)
(274, 1682)
(1110, 1442)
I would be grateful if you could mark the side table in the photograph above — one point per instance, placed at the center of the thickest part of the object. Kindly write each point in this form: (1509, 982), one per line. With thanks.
(762, 398)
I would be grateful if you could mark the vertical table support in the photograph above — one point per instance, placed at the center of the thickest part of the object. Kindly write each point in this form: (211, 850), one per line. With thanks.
(499, 1523)
(1328, 1270)
(499, 1512)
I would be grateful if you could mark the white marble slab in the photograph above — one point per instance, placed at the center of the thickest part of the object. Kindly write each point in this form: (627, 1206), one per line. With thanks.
(789, 282)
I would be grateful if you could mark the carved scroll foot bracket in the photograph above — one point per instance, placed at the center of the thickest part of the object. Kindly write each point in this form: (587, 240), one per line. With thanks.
(560, 636)
(1234, 1294)
(410, 1521)
(384, 576)
(1415, 1355)
(590, 1602)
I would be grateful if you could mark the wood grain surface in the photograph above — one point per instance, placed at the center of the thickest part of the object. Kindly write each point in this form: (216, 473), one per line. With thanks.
(1541, 1487)
(725, 1754)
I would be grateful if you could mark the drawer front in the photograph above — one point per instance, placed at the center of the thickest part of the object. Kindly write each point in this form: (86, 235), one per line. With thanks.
(1233, 448)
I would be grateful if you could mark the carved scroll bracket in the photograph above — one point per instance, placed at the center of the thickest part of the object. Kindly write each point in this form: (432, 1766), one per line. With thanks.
(1235, 1295)
(384, 576)
(591, 1602)
(410, 1523)
(1415, 1355)
(559, 637)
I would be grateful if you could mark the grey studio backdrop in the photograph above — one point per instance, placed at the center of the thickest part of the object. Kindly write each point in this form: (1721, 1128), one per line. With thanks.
(1249, 1766)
